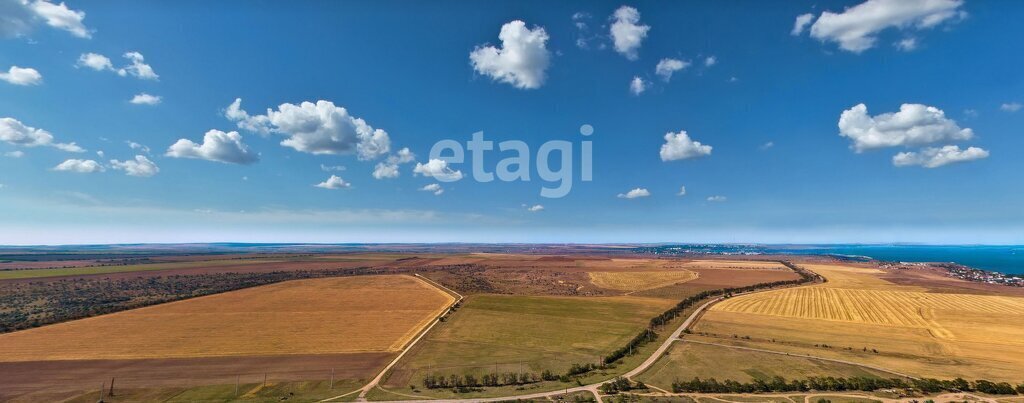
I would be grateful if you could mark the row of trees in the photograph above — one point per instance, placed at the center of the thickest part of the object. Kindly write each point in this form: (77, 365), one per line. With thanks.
(833, 384)
(619, 385)
(453, 381)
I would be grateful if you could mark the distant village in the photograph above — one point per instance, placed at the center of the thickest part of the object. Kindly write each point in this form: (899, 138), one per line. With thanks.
(965, 273)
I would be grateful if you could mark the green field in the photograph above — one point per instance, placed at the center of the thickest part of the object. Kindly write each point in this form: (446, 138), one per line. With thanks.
(685, 361)
(511, 333)
(78, 271)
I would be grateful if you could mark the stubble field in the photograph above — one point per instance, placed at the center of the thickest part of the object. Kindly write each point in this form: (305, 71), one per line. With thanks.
(859, 316)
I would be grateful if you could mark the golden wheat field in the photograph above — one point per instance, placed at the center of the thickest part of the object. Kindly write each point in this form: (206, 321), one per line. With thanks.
(318, 316)
(639, 280)
(859, 316)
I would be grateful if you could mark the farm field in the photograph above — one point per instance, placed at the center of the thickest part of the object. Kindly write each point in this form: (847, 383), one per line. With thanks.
(860, 316)
(294, 330)
(530, 333)
(688, 360)
(81, 271)
(333, 315)
(640, 280)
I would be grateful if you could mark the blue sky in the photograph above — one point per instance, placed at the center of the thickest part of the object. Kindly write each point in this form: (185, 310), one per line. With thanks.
(943, 169)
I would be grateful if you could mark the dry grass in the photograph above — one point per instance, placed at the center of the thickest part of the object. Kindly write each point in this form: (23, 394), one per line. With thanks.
(921, 333)
(734, 264)
(333, 315)
(639, 280)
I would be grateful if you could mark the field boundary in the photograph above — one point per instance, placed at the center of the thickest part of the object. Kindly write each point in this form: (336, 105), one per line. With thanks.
(412, 343)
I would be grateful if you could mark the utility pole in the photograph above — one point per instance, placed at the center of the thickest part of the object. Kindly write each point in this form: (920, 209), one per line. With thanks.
(264, 379)
(236, 384)
(111, 387)
(332, 379)
(103, 387)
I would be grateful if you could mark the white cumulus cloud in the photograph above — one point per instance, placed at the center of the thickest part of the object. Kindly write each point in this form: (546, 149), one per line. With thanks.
(635, 193)
(666, 67)
(95, 61)
(136, 67)
(389, 167)
(637, 86)
(801, 23)
(434, 188)
(217, 146)
(14, 132)
(913, 125)
(535, 208)
(140, 166)
(22, 76)
(146, 99)
(19, 17)
(437, 169)
(334, 182)
(934, 157)
(316, 128)
(682, 191)
(627, 32)
(710, 61)
(679, 146)
(856, 29)
(522, 60)
(79, 166)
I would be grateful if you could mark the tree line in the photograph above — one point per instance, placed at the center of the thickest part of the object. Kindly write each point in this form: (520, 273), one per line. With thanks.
(833, 384)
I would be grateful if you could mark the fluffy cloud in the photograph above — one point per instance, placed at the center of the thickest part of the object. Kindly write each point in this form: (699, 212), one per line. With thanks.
(95, 61)
(710, 61)
(521, 60)
(146, 99)
(913, 125)
(717, 199)
(637, 86)
(137, 66)
(682, 191)
(14, 132)
(217, 146)
(334, 182)
(1011, 107)
(635, 193)
(626, 31)
(801, 23)
(856, 28)
(679, 146)
(140, 166)
(22, 76)
(320, 128)
(535, 208)
(666, 67)
(18, 17)
(934, 157)
(437, 169)
(79, 166)
(136, 146)
(434, 188)
(389, 168)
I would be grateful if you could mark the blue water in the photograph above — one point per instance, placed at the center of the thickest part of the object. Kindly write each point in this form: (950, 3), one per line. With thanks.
(1005, 259)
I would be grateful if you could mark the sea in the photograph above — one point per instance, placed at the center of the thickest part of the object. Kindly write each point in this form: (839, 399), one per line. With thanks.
(1004, 259)
(1007, 259)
